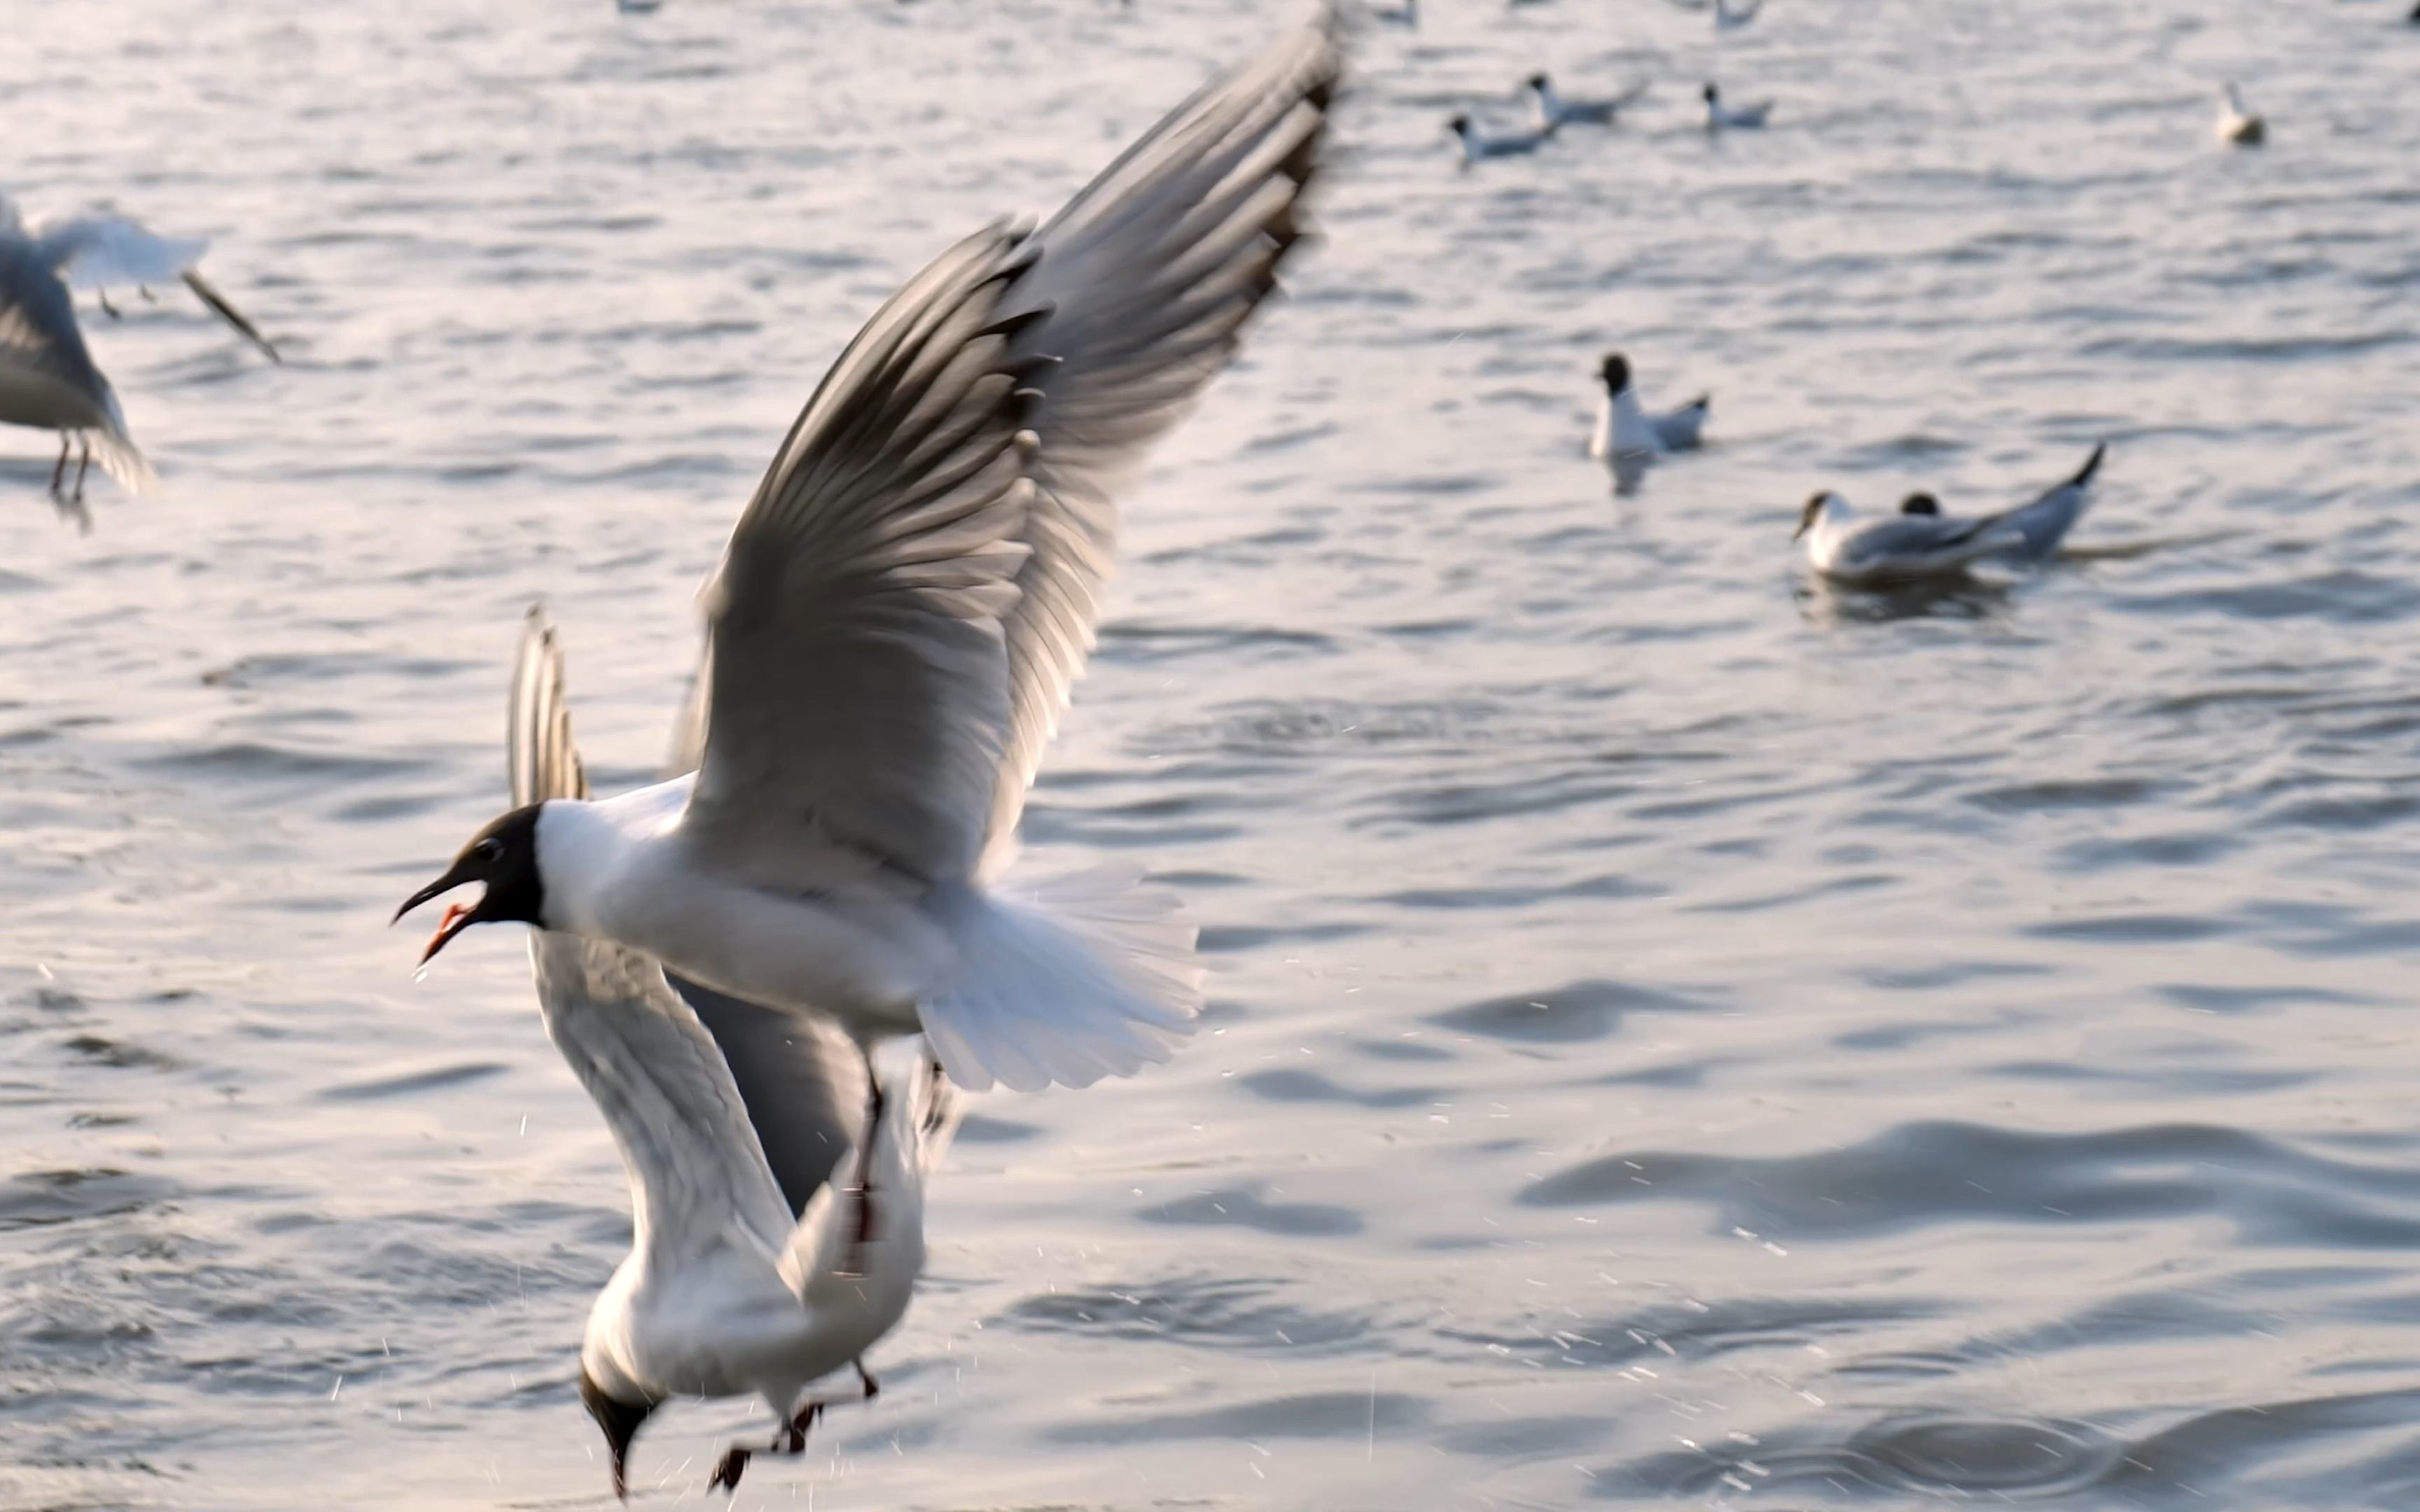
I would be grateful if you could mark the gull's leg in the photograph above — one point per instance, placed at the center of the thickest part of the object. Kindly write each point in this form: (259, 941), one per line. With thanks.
(790, 1438)
(84, 465)
(865, 1379)
(59, 473)
(148, 298)
(861, 1181)
(107, 308)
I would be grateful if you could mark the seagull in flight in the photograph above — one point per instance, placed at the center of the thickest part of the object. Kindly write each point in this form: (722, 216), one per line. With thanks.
(100, 251)
(733, 1121)
(900, 614)
(48, 380)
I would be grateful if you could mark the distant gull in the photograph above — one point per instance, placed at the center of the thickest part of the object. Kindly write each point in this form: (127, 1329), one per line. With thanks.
(1720, 117)
(1405, 14)
(1726, 17)
(2041, 524)
(901, 612)
(1554, 110)
(98, 251)
(48, 380)
(1894, 548)
(1626, 430)
(732, 1119)
(2236, 124)
(1478, 142)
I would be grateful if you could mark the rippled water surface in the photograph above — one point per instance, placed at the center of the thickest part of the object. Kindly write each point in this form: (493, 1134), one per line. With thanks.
(1680, 1035)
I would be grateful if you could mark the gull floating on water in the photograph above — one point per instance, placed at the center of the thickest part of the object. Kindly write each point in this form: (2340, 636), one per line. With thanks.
(1720, 117)
(901, 612)
(1478, 142)
(2041, 524)
(2237, 124)
(733, 1121)
(1726, 18)
(1554, 110)
(1405, 14)
(1893, 547)
(1625, 430)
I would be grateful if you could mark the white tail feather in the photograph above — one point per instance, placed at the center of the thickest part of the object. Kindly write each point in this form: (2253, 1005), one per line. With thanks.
(1066, 981)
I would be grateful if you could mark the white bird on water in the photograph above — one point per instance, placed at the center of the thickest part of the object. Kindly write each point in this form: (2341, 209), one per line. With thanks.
(1478, 143)
(733, 1119)
(2237, 124)
(1720, 117)
(1920, 541)
(1726, 18)
(1405, 14)
(1555, 109)
(1624, 429)
(2042, 523)
(901, 612)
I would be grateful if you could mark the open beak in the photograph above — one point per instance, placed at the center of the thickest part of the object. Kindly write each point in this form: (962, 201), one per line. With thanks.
(456, 919)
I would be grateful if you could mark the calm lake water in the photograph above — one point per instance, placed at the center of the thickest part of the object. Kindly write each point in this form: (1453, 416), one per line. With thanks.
(1680, 1035)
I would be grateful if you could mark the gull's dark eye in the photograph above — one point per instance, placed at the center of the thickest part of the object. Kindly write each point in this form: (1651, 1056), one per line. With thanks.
(489, 849)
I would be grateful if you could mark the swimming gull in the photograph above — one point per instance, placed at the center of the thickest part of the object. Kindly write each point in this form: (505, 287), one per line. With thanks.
(2042, 523)
(1625, 429)
(1720, 117)
(1556, 109)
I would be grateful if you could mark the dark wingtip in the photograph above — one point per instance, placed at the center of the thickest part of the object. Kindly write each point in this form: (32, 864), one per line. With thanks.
(2091, 465)
(1704, 401)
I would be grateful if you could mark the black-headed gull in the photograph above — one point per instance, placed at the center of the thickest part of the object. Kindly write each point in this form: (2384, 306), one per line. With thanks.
(1478, 142)
(1720, 117)
(1555, 109)
(2237, 124)
(1894, 548)
(2041, 524)
(1624, 429)
(901, 612)
(744, 1279)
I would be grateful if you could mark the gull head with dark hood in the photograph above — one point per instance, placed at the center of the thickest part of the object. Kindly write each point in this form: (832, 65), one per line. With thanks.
(1615, 372)
(504, 856)
(1816, 504)
(1919, 503)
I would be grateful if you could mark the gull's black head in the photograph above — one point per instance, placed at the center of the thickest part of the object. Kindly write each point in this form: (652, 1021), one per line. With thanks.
(1713, 94)
(1919, 503)
(505, 857)
(1814, 512)
(620, 1422)
(1616, 372)
(1538, 81)
(1459, 125)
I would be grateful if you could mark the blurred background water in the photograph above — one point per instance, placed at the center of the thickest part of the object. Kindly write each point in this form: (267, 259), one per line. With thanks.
(1680, 1034)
